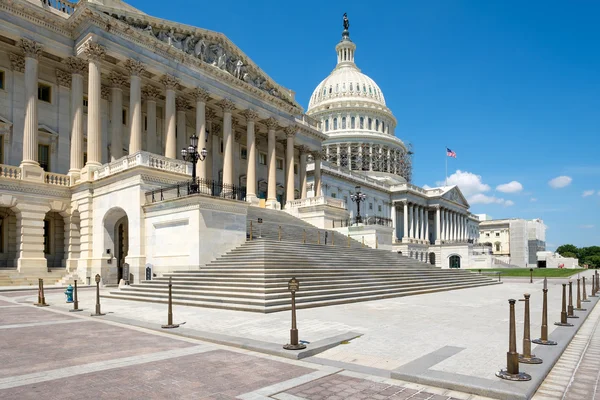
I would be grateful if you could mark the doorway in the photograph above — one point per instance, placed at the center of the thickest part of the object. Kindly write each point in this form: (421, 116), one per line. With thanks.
(455, 261)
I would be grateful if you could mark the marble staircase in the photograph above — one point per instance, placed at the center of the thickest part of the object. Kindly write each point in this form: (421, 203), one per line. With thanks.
(11, 277)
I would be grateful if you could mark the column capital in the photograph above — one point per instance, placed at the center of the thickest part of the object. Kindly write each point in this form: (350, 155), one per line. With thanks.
(117, 80)
(30, 48)
(94, 52)
(317, 155)
(209, 114)
(227, 105)
(150, 93)
(182, 104)
(250, 115)
(17, 62)
(200, 95)
(63, 78)
(271, 123)
(170, 82)
(105, 92)
(135, 68)
(76, 65)
(290, 131)
(303, 150)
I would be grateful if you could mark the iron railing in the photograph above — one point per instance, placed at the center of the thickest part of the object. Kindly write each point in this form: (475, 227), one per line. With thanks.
(343, 223)
(207, 187)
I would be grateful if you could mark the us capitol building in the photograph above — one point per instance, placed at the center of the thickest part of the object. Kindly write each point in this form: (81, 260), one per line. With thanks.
(97, 100)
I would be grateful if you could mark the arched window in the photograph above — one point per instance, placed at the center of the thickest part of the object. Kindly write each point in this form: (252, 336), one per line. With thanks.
(351, 87)
(362, 123)
(324, 91)
(370, 90)
(334, 124)
(352, 123)
(370, 126)
(382, 126)
(377, 125)
(343, 122)
(454, 261)
(337, 87)
(326, 125)
(364, 88)
(344, 87)
(330, 89)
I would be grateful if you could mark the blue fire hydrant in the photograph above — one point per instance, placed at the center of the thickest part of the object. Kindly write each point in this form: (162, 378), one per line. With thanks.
(69, 294)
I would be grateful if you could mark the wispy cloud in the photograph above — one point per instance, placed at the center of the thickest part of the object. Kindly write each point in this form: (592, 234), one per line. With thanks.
(510, 187)
(533, 199)
(589, 226)
(587, 193)
(560, 182)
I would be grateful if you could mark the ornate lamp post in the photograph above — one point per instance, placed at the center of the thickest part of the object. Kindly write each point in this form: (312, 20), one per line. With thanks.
(192, 155)
(358, 197)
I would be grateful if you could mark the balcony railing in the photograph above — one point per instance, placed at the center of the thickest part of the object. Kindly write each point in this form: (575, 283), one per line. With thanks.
(372, 220)
(145, 159)
(207, 187)
(65, 6)
(321, 200)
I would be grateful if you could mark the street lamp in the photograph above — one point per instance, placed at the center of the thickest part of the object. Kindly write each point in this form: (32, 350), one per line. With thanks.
(192, 155)
(358, 197)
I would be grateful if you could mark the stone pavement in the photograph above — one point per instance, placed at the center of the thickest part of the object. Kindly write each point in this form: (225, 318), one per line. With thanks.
(52, 354)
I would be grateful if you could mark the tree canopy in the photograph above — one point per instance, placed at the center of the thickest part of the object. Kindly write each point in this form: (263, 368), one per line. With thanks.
(586, 255)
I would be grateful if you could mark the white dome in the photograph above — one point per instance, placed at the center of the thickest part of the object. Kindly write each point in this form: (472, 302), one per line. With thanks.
(346, 82)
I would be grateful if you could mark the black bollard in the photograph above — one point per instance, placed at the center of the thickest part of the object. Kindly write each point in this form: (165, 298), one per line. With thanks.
(594, 286)
(170, 323)
(527, 357)
(544, 337)
(293, 287)
(579, 296)
(570, 308)
(530, 275)
(563, 313)
(41, 298)
(585, 298)
(75, 301)
(98, 313)
(511, 372)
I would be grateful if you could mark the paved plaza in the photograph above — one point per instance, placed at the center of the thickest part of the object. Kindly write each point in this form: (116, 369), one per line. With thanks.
(455, 340)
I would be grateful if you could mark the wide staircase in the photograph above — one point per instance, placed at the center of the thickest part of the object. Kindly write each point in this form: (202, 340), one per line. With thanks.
(254, 276)
(11, 277)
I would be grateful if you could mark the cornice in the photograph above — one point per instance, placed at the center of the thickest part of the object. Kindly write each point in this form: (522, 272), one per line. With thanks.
(37, 15)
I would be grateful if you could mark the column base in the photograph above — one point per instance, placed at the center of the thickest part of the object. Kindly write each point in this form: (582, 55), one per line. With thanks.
(32, 266)
(32, 172)
(405, 240)
(87, 172)
(75, 175)
(252, 199)
(272, 204)
(438, 242)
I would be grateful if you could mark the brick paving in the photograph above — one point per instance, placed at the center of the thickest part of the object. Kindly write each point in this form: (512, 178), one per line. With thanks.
(338, 387)
(27, 314)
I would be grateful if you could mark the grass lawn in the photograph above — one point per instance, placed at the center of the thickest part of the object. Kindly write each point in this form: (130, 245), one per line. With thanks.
(537, 272)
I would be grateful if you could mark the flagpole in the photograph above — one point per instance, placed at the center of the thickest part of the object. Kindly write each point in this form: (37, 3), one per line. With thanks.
(446, 157)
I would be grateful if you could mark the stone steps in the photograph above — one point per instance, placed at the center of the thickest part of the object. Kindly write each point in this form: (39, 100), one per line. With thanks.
(12, 277)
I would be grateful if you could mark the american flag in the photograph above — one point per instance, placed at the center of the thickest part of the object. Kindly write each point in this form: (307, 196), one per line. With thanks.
(450, 153)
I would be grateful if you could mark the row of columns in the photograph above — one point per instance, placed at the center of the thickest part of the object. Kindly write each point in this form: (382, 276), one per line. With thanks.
(416, 222)
(452, 226)
(174, 116)
(366, 152)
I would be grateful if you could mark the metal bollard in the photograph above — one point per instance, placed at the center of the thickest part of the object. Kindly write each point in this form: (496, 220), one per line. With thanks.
(41, 298)
(363, 241)
(376, 242)
(585, 298)
(279, 230)
(293, 287)
(579, 296)
(527, 357)
(250, 230)
(544, 337)
(563, 313)
(333, 238)
(511, 372)
(530, 275)
(98, 312)
(594, 286)
(304, 237)
(570, 307)
(75, 301)
(170, 323)
(348, 240)
(318, 237)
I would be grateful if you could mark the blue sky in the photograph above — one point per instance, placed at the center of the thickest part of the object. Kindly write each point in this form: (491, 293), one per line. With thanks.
(512, 87)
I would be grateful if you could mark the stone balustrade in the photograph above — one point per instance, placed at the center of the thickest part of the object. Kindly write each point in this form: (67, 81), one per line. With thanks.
(65, 6)
(57, 179)
(321, 200)
(143, 159)
(349, 174)
(10, 172)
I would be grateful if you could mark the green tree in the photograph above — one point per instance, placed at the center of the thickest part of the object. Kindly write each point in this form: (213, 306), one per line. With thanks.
(567, 248)
(569, 254)
(592, 261)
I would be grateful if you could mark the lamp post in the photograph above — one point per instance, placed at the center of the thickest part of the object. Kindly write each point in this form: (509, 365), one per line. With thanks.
(358, 197)
(192, 155)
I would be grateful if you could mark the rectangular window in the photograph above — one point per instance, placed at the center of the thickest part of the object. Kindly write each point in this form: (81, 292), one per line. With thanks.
(124, 116)
(2, 81)
(379, 208)
(221, 148)
(1, 151)
(243, 152)
(44, 156)
(262, 158)
(333, 195)
(45, 92)
(295, 169)
(370, 206)
(279, 163)
(487, 234)
(497, 234)
(46, 236)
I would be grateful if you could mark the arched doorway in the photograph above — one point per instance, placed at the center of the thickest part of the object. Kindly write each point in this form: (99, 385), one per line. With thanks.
(454, 261)
(116, 239)
(8, 238)
(54, 239)
(432, 258)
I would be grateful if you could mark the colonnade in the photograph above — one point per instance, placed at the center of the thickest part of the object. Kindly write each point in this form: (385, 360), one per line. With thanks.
(174, 116)
(366, 157)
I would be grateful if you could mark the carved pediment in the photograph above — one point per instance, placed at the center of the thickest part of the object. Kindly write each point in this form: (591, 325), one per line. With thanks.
(211, 48)
(455, 196)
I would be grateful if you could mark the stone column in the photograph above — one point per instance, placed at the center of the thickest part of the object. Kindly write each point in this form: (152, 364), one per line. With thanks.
(95, 54)
(251, 117)
(339, 155)
(317, 157)
(135, 69)
(393, 214)
(271, 163)
(78, 67)
(438, 221)
(181, 105)
(370, 157)
(302, 173)
(118, 82)
(453, 225)
(228, 107)
(405, 230)
(422, 223)
(411, 218)
(151, 94)
(426, 223)
(444, 224)
(29, 163)
(201, 96)
(171, 84)
(209, 116)
(290, 133)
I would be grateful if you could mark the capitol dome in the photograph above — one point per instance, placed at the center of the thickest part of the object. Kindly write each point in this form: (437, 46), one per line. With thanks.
(350, 109)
